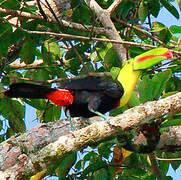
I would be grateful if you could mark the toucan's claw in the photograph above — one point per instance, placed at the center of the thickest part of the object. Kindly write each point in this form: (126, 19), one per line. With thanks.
(99, 114)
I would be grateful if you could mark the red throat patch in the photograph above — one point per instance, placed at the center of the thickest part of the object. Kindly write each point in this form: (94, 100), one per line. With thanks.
(60, 97)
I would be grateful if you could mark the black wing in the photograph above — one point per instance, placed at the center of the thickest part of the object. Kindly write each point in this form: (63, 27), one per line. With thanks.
(95, 84)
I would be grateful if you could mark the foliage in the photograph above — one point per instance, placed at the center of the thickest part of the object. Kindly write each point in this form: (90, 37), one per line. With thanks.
(66, 57)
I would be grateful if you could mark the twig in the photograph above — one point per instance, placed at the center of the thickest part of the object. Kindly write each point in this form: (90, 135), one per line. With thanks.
(20, 13)
(167, 67)
(95, 39)
(145, 33)
(164, 159)
(87, 38)
(79, 56)
(19, 65)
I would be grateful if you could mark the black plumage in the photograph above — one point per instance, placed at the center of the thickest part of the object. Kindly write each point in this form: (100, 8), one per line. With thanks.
(91, 94)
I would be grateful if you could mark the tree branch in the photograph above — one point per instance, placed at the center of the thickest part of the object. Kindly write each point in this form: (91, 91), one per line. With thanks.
(31, 151)
(104, 17)
(114, 6)
(92, 38)
(144, 32)
(16, 13)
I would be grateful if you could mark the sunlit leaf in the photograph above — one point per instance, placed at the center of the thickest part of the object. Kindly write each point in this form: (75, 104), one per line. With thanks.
(151, 89)
(175, 29)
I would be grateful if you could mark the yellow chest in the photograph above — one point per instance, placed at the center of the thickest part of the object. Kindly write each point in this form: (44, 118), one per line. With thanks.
(128, 78)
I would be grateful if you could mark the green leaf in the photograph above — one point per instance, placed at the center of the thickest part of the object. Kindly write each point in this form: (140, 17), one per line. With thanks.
(74, 65)
(66, 164)
(159, 82)
(115, 72)
(151, 89)
(50, 114)
(175, 164)
(135, 51)
(10, 4)
(31, 9)
(101, 174)
(118, 110)
(111, 59)
(154, 7)
(173, 120)
(28, 51)
(124, 9)
(165, 35)
(39, 104)
(175, 29)
(5, 38)
(13, 109)
(102, 49)
(79, 164)
(81, 48)
(164, 165)
(57, 72)
(104, 149)
(82, 14)
(7, 81)
(170, 8)
(51, 52)
(1, 126)
(88, 66)
(38, 74)
(95, 164)
(142, 11)
(137, 172)
(134, 100)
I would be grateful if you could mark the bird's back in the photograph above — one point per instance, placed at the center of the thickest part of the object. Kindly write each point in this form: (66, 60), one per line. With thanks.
(98, 93)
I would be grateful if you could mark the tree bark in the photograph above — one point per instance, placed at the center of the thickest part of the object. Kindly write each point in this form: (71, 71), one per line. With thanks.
(36, 149)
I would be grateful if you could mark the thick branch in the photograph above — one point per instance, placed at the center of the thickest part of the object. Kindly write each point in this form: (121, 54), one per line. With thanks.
(112, 33)
(114, 6)
(22, 154)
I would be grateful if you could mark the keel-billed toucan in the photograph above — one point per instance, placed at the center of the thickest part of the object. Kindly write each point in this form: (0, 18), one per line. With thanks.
(92, 95)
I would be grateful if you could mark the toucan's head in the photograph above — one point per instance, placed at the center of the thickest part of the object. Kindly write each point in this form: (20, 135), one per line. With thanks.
(132, 69)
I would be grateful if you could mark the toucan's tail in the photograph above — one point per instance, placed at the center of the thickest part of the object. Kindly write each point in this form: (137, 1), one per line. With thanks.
(60, 97)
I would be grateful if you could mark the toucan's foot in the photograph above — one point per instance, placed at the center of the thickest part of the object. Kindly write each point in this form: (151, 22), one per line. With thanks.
(99, 114)
(71, 124)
